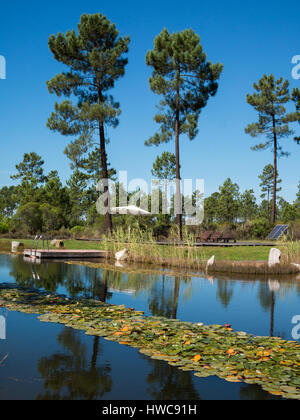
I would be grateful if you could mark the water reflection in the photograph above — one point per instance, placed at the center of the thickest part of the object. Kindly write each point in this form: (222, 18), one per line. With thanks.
(166, 383)
(162, 300)
(73, 373)
(3, 316)
(259, 305)
(84, 367)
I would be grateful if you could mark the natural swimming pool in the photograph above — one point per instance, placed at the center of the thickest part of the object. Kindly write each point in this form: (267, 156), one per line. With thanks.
(53, 362)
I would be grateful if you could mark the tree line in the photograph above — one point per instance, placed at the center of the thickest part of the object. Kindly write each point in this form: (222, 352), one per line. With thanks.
(41, 203)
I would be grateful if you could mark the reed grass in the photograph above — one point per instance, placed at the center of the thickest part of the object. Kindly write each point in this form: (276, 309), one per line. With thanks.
(291, 252)
(5, 245)
(142, 248)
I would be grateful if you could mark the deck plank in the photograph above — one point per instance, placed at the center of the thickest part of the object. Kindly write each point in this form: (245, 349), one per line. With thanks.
(65, 253)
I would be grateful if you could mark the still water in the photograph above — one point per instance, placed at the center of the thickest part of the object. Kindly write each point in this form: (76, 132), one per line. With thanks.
(49, 361)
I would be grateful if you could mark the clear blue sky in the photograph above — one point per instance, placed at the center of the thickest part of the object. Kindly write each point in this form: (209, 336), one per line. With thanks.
(250, 38)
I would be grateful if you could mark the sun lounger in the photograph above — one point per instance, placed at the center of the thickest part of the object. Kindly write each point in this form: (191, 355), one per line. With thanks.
(205, 236)
(216, 236)
(228, 236)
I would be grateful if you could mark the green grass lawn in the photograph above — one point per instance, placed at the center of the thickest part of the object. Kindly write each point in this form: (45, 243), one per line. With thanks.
(246, 253)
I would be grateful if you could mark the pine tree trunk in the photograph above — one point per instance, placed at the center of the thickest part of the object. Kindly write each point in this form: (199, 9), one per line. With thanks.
(178, 207)
(274, 174)
(175, 298)
(108, 221)
(272, 314)
(269, 213)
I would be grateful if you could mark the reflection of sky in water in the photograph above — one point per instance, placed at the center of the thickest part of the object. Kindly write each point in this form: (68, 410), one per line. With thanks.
(51, 361)
(2, 327)
(258, 306)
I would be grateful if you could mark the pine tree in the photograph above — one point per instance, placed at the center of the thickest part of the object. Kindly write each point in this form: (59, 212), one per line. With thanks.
(77, 189)
(296, 115)
(55, 195)
(248, 206)
(164, 166)
(31, 174)
(211, 208)
(228, 201)
(269, 101)
(267, 181)
(8, 203)
(298, 195)
(96, 59)
(186, 80)
(164, 169)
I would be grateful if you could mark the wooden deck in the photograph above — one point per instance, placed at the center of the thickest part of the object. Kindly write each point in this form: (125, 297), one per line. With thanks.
(197, 244)
(64, 253)
(217, 244)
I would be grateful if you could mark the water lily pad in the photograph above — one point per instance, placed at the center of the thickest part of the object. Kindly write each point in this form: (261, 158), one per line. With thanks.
(213, 350)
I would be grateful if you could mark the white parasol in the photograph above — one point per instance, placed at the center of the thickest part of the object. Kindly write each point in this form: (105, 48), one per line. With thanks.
(133, 210)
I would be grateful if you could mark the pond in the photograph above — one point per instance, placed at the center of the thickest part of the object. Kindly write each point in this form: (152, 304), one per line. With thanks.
(50, 361)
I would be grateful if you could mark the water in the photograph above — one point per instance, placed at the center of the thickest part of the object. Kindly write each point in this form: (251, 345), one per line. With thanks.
(49, 361)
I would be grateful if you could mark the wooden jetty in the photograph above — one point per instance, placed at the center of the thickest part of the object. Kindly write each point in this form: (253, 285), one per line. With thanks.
(65, 254)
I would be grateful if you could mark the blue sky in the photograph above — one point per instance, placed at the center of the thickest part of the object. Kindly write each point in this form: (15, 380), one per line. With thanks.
(250, 38)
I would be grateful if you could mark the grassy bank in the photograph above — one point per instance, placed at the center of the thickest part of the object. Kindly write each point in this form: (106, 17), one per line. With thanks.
(235, 259)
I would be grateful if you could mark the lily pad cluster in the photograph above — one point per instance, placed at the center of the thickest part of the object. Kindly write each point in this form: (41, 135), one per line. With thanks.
(210, 350)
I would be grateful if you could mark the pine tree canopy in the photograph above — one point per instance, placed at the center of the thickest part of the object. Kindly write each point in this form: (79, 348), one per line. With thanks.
(267, 180)
(30, 170)
(298, 195)
(268, 100)
(182, 74)
(95, 58)
(164, 166)
(296, 115)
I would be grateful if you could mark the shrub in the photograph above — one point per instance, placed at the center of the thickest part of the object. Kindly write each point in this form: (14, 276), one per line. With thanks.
(28, 217)
(257, 228)
(260, 228)
(4, 227)
(51, 217)
(77, 231)
(294, 231)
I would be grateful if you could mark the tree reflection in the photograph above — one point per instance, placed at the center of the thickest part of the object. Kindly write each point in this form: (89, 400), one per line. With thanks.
(69, 376)
(70, 371)
(160, 290)
(267, 300)
(225, 291)
(255, 393)
(169, 383)
(163, 299)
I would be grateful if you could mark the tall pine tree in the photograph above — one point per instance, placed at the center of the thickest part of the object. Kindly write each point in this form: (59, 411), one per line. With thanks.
(31, 174)
(267, 181)
(296, 115)
(298, 196)
(96, 59)
(186, 80)
(269, 100)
